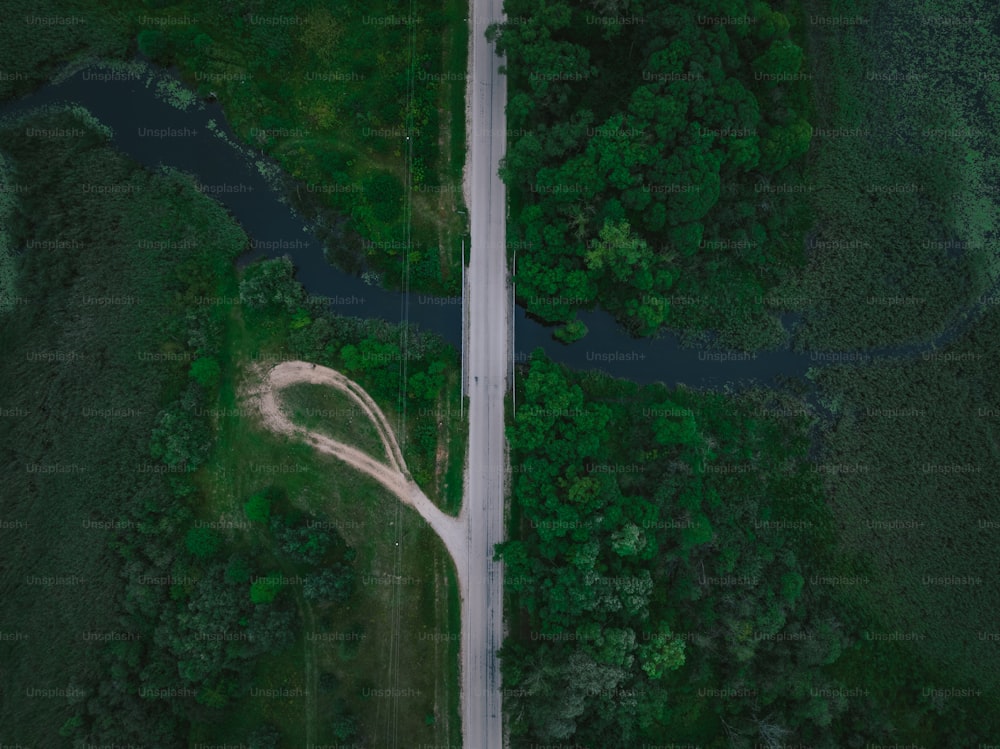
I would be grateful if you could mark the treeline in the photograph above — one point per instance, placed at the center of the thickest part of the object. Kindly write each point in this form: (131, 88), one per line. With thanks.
(100, 371)
(647, 146)
(667, 574)
(110, 372)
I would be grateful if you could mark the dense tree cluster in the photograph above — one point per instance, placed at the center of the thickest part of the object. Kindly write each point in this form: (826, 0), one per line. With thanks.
(666, 575)
(191, 607)
(638, 131)
(188, 634)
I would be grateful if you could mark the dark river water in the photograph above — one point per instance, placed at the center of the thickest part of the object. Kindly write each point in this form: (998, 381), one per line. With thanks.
(135, 113)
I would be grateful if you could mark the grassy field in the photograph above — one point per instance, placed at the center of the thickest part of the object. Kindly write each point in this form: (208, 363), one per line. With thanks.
(89, 359)
(902, 170)
(458, 439)
(328, 411)
(399, 630)
(331, 91)
(900, 173)
(438, 472)
(7, 270)
(919, 444)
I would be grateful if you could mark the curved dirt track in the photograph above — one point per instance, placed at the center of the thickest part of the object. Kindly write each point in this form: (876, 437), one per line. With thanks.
(453, 531)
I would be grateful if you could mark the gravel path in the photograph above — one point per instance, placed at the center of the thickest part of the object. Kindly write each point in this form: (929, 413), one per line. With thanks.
(453, 531)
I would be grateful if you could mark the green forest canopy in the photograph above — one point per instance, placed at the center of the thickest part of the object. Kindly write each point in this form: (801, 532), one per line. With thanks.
(636, 138)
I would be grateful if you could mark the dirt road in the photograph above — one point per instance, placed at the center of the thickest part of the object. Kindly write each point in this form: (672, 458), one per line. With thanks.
(393, 476)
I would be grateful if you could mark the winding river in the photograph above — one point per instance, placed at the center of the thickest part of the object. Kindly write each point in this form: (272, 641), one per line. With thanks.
(153, 132)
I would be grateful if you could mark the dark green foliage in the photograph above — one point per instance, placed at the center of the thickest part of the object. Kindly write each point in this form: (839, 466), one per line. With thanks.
(270, 287)
(126, 379)
(181, 440)
(202, 542)
(636, 147)
(783, 144)
(156, 45)
(384, 194)
(239, 569)
(206, 371)
(425, 386)
(782, 58)
(38, 36)
(265, 589)
(334, 584)
(623, 534)
(258, 508)
(70, 726)
(316, 551)
(672, 545)
(265, 737)
(574, 330)
(919, 443)
(902, 181)
(307, 540)
(303, 544)
(344, 725)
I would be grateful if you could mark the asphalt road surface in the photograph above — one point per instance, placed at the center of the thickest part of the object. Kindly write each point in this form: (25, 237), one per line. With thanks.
(486, 351)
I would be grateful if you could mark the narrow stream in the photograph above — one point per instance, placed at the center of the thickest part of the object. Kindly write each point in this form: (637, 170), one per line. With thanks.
(154, 132)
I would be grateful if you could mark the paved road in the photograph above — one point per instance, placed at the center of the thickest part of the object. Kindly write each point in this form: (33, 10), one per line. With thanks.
(486, 352)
